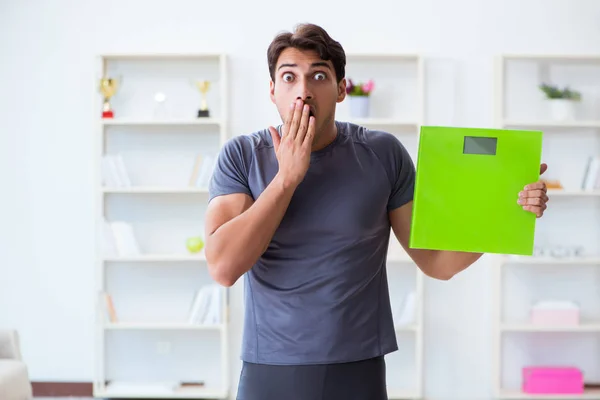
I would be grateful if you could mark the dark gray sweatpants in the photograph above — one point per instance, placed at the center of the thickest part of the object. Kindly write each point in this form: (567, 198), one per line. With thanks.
(361, 380)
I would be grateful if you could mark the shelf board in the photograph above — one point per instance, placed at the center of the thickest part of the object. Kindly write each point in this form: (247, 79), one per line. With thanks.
(161, 122)
(157, 258)
(407, 328)
(397, 394)
(573, 193)
(384, 122)
(554, 58)
(154, 190)
(182, 326)
(382, 56)
(541, 328)
(159, 56)
(187, 393)
(553, 124)
(552, 260)
(516, 394)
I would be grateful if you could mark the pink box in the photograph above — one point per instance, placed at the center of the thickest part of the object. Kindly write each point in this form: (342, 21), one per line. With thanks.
(562, 317)
(552, 380)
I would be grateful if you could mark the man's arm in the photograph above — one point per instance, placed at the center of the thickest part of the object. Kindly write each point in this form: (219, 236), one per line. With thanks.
(444, 265)
(238, 229)
(437, 264)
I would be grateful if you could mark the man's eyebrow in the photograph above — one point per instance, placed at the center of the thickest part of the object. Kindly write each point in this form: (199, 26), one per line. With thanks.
(315, 64)
(287, 65)
(320, 64)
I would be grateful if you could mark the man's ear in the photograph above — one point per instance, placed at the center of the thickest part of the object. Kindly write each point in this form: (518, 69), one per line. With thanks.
(272, 91)
(341, 90)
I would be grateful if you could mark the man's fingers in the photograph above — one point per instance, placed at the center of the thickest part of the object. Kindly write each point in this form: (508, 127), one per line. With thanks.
(531, 201)
(534, 193)
(310, 132)
(303, 127)
(276, 138)
(535, 186)
(288, 121)
(296, 116)
(537, 210)
(534, 196)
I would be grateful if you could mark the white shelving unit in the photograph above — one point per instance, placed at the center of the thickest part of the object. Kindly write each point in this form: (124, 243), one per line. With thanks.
(556, 272)
(397, 106)
(150, 347)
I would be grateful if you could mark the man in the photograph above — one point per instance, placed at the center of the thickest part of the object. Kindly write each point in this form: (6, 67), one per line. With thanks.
(305, 211)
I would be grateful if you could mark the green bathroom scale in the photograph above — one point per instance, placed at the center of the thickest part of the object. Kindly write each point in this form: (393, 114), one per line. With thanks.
(467, 186)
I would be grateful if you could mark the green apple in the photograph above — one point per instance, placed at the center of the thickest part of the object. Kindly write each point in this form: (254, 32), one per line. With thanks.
(195, 244)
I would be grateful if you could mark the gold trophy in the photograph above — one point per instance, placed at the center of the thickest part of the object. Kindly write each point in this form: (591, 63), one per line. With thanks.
(108, 88)
(203, 86)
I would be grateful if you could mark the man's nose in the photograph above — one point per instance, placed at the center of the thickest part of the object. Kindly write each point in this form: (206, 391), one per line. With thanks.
(304, 92)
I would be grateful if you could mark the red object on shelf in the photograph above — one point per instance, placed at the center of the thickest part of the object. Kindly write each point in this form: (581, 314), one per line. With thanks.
(552, 380)
(107, 114)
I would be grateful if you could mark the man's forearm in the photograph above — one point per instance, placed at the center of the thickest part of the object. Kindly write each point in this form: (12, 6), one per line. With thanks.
(442, 264)
(237, 244)
(449, 263)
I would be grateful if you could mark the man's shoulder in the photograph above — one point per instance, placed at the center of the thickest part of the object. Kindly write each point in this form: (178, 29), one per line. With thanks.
(243, 148)
(378, 141)
(250, 142)
(233, 170)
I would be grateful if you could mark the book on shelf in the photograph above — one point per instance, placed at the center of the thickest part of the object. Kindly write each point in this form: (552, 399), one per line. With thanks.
(591, 177)
(206, 308)
(109, 307)
(114, 173)
(119, 239)
(204, 165)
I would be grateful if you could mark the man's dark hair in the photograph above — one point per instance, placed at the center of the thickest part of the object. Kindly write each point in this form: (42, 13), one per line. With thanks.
(308, 37)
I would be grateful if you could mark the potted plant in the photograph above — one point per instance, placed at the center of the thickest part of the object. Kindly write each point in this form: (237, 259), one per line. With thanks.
(562, 101)
(358, 96)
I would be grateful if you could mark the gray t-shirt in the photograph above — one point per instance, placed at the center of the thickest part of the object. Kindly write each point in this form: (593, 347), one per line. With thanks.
(319, 294)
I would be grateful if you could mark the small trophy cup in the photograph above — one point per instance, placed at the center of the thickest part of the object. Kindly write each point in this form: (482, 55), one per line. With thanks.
(203, 86)
(108, 88)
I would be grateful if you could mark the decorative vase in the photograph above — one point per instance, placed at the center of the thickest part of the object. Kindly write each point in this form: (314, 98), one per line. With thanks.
(359, 106)
(562, 109)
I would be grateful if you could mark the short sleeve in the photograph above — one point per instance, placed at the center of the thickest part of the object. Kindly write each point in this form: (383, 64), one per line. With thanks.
(230, 174)
(402, 172)
(398, 166)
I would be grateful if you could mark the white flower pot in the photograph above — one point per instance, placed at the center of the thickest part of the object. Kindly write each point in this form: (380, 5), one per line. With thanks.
(562, 109)
(359, 106)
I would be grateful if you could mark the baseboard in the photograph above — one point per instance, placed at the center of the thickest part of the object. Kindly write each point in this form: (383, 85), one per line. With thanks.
(63, 389)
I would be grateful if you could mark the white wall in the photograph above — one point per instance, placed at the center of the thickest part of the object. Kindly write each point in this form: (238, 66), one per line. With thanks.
(47, 69)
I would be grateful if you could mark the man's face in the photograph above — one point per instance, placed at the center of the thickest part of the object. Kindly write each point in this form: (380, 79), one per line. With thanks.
(302, 74)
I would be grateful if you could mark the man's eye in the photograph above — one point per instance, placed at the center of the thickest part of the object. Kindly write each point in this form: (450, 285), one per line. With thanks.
(320, 76)
(287, 77)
